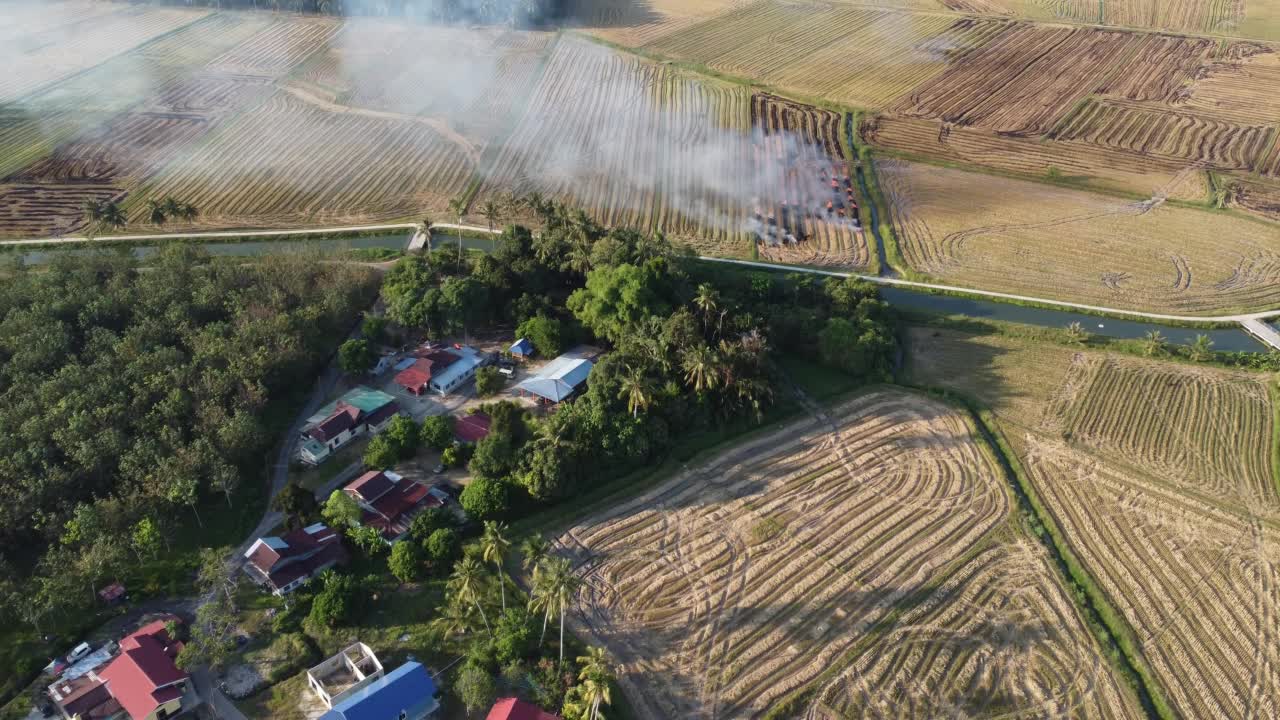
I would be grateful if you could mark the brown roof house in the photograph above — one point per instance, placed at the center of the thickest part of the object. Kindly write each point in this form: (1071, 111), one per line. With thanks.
(362, 411)
(282, 564)
(389, 502)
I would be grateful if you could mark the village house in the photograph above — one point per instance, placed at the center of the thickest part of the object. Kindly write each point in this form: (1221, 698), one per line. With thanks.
(406, 693)
(362, 411)
(142, 681)
(282, 564)
(510, 708)
(389, 502)
(471, 429)
(438, 370)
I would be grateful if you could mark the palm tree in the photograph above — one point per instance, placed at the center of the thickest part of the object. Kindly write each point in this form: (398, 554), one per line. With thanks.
(424, 227)
(702, 368)
(493, 547)
(707, 301)
(1154, 344)
(1077, 334)
(561, 586)
(492, 212)
(454, 619)
(533, 550)
(458, 206)
(596, 677)
(187, 211)
(465, 581)
(112, 215)
(1200, 349)
(92, 210)
(157, 212)
(636, 389)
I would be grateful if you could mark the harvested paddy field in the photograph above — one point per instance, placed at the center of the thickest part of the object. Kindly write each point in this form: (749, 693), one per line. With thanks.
(860, 56)
(72, 36)
(1158, 476)
(289, 162)
(700, 156)
(1030, 239)
(734, 584)
(634, 23)
(1078, 163)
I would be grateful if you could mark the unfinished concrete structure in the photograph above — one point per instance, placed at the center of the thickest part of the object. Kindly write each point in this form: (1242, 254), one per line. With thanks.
(345, 673)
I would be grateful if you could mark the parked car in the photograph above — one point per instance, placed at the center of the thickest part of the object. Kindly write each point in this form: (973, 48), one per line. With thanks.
(438, 469)
(78, 652)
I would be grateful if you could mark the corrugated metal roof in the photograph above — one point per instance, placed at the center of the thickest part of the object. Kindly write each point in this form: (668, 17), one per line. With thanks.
(408, 689)
(558, 379)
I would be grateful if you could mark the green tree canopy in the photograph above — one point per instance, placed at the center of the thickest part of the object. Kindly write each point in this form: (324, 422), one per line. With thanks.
(616, 298)
(405, 562)
(356, 357)
(546, 334)
(437, 431)
(341, 510)
(486, 498)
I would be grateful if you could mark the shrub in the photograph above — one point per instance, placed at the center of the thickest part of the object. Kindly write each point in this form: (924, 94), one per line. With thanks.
(442, 548)
(489, 381)
(405, 562)
(486, 498)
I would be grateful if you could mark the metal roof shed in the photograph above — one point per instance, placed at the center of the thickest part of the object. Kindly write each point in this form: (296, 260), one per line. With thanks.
(558, 379)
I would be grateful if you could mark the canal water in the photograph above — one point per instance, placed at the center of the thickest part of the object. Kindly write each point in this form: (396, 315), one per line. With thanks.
(1235, 340)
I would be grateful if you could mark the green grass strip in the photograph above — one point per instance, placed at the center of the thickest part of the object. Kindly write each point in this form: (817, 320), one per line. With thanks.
(1118, 640)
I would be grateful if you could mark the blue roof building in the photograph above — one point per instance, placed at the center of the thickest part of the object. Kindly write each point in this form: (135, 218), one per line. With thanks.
(521, 348)
(406, 693)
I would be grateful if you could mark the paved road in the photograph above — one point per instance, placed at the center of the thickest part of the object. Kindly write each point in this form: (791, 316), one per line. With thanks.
(221, 705)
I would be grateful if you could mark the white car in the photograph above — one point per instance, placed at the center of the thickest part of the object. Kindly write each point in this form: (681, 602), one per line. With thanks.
(78, 652)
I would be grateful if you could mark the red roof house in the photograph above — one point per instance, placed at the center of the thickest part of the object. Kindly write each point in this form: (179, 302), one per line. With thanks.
(345, 417)
(417, 376)
(283, 563)
(390, 502)
(143, 677)
(471, 428)
(516, 709)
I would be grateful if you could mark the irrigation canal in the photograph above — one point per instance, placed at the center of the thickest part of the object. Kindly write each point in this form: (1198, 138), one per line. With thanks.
(1234, 339)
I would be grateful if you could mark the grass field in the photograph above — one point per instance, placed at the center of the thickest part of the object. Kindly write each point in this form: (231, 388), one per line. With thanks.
(1030, 239)
(852, 546)
(1159, 477)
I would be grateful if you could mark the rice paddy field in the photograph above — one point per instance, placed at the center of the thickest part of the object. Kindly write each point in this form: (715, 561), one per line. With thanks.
(1159, 478)
(861, 563)
(1030, 239)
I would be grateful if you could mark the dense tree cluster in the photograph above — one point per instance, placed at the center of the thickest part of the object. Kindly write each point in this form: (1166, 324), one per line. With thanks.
(130, 396)
(690, 345)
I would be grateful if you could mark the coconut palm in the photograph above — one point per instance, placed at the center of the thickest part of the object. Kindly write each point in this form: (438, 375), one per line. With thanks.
(560, 585)
(492, 212)
(157, 212)
(187, 211)
(458, 206)
(701, 368)
(454, 619)
(533, 550)
(707, 301)
(1200, 349)
(637, 389)
(493, 548)
(112, 215)
(595, 677)
(1154, 344)
(465, 582)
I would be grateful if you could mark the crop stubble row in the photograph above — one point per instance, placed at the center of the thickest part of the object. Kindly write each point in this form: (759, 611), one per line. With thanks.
(683, 584)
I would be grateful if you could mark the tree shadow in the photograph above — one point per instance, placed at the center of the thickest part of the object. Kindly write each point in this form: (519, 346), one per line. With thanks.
(687, 666)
